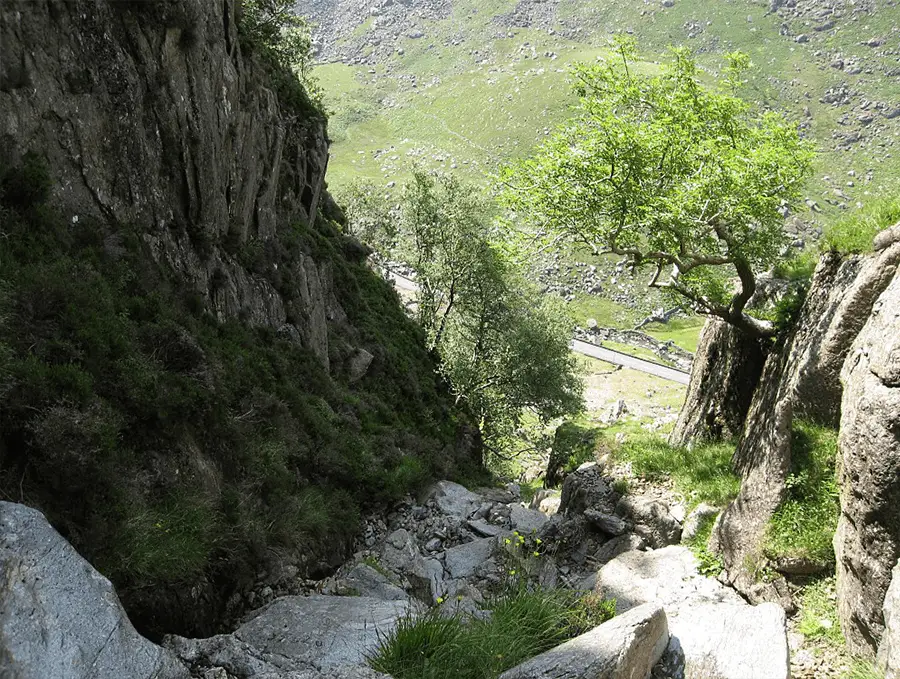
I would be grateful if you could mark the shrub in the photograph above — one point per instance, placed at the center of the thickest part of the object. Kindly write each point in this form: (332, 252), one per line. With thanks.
(573, 445)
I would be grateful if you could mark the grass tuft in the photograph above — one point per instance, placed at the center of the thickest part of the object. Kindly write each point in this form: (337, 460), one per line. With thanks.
(855, 232)
(520, 624)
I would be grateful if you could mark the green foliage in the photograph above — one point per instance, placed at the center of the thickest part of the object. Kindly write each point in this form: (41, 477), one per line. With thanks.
(711, 564)
(169, 447)
(503, 346)
(818, 612)
(573, 445)
(523, 623)
(702, 473)
(677, 177)
(271, 28)
(804, 524)
(855, 232)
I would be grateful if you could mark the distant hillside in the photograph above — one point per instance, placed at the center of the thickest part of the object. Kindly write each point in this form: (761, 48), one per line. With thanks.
(467, 84)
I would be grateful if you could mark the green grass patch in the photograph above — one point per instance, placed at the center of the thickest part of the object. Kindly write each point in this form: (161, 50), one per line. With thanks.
(804, 524)
(818, 612)
(684, 332)
(855, 232)
(573, 445)
(710, 563)
(522, 624)
(702, 473)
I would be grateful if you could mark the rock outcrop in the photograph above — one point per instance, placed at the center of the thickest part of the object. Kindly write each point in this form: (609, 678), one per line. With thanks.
(59, 617)
(800, 380)
(889, 648)
(152, 114)
(626, 646)
(867, 542)
(726, 369)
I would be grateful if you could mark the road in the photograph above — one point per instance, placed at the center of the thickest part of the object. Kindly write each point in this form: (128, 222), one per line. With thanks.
(593, 350)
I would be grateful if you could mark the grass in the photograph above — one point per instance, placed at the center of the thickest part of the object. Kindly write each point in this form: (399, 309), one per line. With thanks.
(684, 332)
(818, 612)
(804, 524)
(855, 232)
(573, 445)
(522, 623)
(710, 564)
(701, 474)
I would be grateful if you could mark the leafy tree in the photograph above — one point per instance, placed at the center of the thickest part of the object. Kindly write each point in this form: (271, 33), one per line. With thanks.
(683, 179)
(503, 346)
(273, 27)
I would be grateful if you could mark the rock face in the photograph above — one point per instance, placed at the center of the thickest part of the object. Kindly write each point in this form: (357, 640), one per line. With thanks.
(59, 617)
(800, 379)
(889, 648)
(714, 633)
(724, 374)
(867, 543)
(626, 647)
(150, 114)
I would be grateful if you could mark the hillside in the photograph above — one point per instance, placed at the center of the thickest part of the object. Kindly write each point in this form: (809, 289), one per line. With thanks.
(465, 85)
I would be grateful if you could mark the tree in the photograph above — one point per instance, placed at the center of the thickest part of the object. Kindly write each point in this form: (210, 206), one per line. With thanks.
(686, 180)
(503, 346)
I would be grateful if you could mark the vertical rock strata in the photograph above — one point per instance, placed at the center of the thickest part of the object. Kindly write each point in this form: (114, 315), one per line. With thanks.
(867, 542)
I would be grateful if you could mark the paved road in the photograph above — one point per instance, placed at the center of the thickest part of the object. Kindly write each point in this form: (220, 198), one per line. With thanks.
(593, 350)
(628, 361)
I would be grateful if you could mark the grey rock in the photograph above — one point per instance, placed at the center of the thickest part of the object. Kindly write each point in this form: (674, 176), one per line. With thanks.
(367, 581)
(483, 528)
(59, 617)
(359, 365)
(889, 648)
(585, 488)
(626, 647)
(400, 554)
(526, 521)
(605, 523)
(463, 560)
(726, 369)
(325, 631)
(652, 520)
(867, 542)
(453, 499)
(624, 543)
(434, 545)
(715, 633)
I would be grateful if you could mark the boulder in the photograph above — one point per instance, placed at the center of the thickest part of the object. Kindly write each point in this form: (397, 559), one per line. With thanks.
(652, 520)
(889, 648)
(626, 647)
(585, 488)
(400, 554)
(867, 542)
(715, 633)
(366, 581)
(59, 617)
(526, 521)
(322, 631)
(453, 499)
(610, 524)
(463, 560)
(726, 369)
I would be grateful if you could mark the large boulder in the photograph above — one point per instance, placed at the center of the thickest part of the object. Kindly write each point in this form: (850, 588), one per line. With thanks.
(453, 499)
(867, 542)
(652, 520)
(322, 631)
(626, 647)
(715, 634)
(463, 560)
(59, 617)
(726, 369)
(889, 648)
(586, 488)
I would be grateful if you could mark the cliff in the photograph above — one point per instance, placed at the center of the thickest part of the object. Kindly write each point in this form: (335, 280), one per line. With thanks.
(202, 384)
